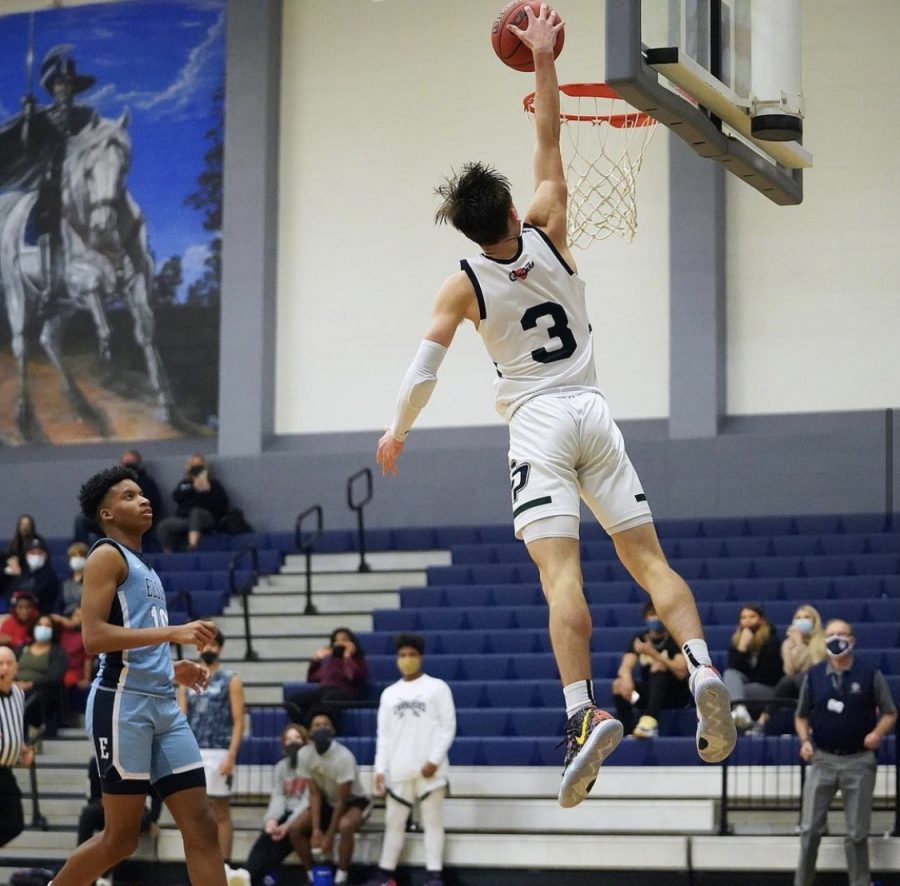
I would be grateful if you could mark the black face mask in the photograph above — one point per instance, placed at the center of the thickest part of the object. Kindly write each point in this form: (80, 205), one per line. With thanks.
(292, 750)
(209, 657)
(322, 738)
(836, 646)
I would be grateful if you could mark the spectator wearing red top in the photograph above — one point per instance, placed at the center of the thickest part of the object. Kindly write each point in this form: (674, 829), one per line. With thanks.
(337, 672)
(15, 629)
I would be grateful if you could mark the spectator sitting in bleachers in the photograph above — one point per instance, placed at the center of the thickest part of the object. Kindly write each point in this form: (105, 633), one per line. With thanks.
(339, 672)
(803, 647)
(288, 800)
(77, 679)
(754, 665)
(70, 598)
(337, 802)
(15, 629)
(662, 682)
(36, 575)
(14, 559)
(201, 503)
(42, 667)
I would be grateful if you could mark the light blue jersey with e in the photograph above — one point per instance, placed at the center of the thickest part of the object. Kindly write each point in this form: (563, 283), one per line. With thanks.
(140, 602)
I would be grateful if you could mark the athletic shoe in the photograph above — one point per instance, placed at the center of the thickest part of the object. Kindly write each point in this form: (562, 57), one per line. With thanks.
(591, 736)
(647, 727)
(716, 733)
(236, 876)
(103, 881)
(377, 881)
(742, 719)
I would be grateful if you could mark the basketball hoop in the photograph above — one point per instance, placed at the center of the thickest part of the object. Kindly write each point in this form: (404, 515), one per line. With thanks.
(603, 148)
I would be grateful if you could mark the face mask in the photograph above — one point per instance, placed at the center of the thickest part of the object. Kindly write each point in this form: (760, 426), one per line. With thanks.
(209, 657)
(835, 646)
(653, 624)
(76, 564)
(43, 633)
(322, 738)
(804, 625)
(35, 561)
(408, 665)
(292, 750)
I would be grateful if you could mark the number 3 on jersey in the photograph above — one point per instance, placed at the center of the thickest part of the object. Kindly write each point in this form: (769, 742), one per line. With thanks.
(558, 330)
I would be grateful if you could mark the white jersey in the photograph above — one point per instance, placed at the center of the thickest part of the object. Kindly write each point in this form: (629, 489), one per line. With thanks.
(533, 321)
(416, 725)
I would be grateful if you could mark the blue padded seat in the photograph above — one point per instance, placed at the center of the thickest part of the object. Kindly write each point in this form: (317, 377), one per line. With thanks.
(759, 589)
(469, 596)
(336, 541)
(208, 602)
(493, 618)
(863, 523)
(456, 642)
(679, 528)
(376, 642)
(466, 752)
(518, 595)
(600, 551)
(414, 538)
(186, 562)
(874, 564)
(634, 752)
(466, 555)
(359, 721)
(878, 636)
(769, 526)
(724, 527)
(482, 722)
(442, 619)
(448, 575)
(854, 611)
(449, 536)
(265, 751)
(678, 722)
(502, 694)
(796, 546)
(499, 534)
(891, 586)
(267, 722)
(533, 617)
(878, 610)
(548, 693)
(612, 592)
(719, 636)
(467, 695)
(890, 661)
(517, 642)
(363, 748)
(538, 666)
(412, 598)
(817, 524)
(842, 544)
(806, 589)
(745, 546)
(730, 568)
(857, 586)
(488, 666)
(825, 566)
(396, 620)
(537, 722)
(885, 543)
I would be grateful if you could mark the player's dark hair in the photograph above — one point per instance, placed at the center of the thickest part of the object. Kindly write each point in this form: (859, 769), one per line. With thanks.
(94, 490)
(477, 201)
(415, 641)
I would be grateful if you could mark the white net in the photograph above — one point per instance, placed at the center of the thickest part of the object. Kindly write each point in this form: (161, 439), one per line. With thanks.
(603, 140)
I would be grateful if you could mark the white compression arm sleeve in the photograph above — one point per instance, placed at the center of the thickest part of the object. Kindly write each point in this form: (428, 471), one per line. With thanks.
(416, 387)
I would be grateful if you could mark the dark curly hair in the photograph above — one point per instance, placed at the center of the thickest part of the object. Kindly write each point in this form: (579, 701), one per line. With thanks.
(414, 641)
(94, 490)
(477, 201)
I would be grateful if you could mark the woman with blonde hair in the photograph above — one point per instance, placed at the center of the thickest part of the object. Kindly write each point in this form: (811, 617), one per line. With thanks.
(754, 663)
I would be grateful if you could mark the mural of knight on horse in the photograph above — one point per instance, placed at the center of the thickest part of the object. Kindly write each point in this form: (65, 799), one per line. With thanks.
(71, 235)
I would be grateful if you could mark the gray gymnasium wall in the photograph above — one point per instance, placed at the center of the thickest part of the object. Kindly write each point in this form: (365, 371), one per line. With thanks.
(698, 463)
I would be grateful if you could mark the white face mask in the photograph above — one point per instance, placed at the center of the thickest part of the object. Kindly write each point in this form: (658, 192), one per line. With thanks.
(35, 561)
(76, 564)
(43, 633)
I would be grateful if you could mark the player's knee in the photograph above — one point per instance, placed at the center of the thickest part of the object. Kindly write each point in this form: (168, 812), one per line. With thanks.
(120, 845)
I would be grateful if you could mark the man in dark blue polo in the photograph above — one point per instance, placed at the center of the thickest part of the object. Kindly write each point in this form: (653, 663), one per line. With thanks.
(844, 712)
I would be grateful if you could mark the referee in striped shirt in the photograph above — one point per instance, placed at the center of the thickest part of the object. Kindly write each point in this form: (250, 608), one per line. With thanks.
(12, 747)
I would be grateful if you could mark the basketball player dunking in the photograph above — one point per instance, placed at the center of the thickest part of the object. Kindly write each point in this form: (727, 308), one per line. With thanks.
(527, 302)
(139, 734)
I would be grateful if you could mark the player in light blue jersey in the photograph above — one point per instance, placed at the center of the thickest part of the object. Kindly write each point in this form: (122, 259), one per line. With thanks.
(140, 736)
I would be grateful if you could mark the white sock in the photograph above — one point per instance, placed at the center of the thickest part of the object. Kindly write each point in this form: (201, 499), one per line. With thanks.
(309, 876)
(341, 877)
(578, 695)
(696, 654)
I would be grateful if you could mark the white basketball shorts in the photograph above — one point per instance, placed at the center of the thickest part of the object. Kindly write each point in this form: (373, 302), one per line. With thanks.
(564, 447)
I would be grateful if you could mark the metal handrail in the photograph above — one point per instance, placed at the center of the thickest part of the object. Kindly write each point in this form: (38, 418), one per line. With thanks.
(358, 507)
(306, 546)
(249, 653)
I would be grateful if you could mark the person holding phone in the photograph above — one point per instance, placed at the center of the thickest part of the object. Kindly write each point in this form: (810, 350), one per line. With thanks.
(201, 503)
(337, 671)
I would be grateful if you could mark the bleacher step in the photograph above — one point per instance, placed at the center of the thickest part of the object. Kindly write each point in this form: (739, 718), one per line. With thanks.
(290, 623)
(381, 561)
(265, 603)
(345, 581)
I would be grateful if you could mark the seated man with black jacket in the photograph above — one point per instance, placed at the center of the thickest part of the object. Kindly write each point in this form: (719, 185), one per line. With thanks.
(201, 503)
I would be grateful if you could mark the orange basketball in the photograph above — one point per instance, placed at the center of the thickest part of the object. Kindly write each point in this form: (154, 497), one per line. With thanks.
(509, 48)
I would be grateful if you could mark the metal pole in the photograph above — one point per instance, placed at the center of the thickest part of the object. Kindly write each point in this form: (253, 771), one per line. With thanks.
(723, 803)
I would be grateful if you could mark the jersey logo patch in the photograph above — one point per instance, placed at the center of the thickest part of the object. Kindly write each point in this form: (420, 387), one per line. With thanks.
(518, 477)
(520, 273)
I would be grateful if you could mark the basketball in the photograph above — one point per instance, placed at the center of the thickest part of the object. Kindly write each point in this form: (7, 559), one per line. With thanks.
(509, 48)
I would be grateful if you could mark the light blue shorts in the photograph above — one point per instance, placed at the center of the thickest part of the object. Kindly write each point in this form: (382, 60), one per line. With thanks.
(142, 740)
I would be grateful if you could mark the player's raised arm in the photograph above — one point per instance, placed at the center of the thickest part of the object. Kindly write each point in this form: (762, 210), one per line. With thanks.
(454, 303)
(548, 206)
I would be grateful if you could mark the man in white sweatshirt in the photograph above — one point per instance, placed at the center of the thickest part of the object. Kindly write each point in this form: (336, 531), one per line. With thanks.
(416, 726)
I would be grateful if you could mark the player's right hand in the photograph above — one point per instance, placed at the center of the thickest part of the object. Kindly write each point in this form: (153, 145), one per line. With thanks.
(388, 452)
(379, 785)
(194, 633)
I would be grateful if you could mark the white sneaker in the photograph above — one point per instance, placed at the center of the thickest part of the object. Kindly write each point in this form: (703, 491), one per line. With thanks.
(742, 719)
(102, 881)
(236, 876)
(716, 732)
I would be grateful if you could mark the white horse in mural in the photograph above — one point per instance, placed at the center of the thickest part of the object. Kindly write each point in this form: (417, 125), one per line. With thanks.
(105, 258)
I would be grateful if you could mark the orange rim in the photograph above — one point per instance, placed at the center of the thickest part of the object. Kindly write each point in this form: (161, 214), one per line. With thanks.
(628, 120)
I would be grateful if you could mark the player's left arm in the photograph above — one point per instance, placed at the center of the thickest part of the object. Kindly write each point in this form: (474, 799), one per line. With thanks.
(454, 303)
(236, 699)
(444, 730)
